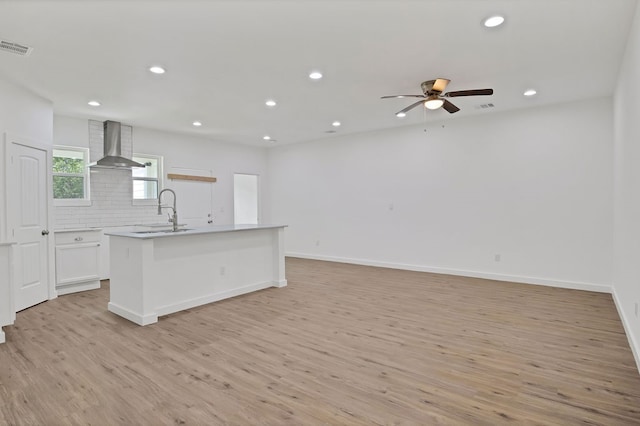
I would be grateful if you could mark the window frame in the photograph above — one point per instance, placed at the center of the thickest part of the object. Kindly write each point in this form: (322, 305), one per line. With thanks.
(86, 175)
(160, 181)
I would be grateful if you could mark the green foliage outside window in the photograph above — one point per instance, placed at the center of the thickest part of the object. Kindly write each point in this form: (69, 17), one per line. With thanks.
(68, 174)
(68, 187)
(68, 165)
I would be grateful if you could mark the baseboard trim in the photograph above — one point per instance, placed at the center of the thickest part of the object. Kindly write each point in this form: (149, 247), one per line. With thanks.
(635, 347)
(573, 285)
(214, 297)
(132, 316)
(279, 283)
(74, 288)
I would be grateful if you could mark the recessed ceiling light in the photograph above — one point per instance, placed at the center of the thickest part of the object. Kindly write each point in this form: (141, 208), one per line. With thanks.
(157, 69)
(530, 92)
(270, 103)
(94, 103)
(315, 75)
(197, 123)
(336, 124)
(266, 138)
(401, 115)
(494, 21)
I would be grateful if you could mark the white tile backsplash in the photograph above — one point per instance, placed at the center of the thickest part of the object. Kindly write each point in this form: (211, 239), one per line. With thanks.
(111, 192)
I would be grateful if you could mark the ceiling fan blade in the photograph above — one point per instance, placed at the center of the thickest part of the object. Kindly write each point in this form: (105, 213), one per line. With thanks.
(402, 96)
(440, 85)
(476, 92)
(410, 107)
(451, 108)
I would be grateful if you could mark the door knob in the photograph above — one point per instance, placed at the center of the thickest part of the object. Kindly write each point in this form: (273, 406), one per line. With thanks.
(45, 232)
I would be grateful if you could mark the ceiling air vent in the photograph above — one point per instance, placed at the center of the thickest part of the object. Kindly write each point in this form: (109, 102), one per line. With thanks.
(485, 106)
(15, 48)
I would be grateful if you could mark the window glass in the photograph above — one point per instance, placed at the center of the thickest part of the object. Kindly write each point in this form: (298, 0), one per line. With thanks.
(146, 181)
(145, 190)
(70, 173)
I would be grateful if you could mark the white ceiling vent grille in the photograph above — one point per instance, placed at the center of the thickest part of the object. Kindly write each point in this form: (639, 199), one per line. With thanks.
(15, 48)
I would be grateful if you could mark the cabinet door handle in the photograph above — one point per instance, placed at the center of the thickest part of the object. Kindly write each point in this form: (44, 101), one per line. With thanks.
(45, 232)
(78, 239)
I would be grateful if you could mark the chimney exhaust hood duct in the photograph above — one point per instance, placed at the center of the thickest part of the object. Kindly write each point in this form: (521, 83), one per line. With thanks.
(113, 158)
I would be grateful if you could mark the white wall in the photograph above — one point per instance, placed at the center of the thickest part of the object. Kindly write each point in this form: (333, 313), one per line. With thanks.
(26, 115)
(111, 189)
(534, 186)
(223, 159)
(626, 265)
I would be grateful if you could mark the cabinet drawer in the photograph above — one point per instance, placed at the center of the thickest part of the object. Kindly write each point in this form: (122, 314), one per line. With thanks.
(77, 237)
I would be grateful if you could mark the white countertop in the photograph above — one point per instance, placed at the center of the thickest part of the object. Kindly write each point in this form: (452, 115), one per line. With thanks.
(191, 231)
(76, 230)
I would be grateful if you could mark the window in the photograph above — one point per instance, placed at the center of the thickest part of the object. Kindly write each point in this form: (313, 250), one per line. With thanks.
(147, 181)
(70, 175)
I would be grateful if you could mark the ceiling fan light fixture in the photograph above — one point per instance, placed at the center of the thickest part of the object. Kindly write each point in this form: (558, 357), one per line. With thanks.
(434, 102)
(434, 96)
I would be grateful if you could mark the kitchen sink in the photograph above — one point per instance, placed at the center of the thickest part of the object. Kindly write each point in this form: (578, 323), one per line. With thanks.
(162, 231)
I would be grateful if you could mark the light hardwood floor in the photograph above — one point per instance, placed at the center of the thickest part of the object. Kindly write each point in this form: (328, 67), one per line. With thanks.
(342, 344)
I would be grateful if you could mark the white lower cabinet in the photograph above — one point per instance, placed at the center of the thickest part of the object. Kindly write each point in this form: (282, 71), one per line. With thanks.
(77, 260)
(7, 311)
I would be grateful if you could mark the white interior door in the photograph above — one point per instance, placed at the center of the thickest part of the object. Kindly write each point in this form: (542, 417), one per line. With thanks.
(245, 199)
(28, 223)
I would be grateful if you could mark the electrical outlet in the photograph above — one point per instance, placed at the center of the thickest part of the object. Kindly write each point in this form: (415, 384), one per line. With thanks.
(636, 309)
(497, 258)
(222, 270)
(317, 243)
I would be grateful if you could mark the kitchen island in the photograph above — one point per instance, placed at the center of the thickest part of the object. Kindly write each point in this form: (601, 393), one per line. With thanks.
(155, 273)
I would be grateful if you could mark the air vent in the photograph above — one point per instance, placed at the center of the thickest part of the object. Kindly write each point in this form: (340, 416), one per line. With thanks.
(15, 48)
(485, 106)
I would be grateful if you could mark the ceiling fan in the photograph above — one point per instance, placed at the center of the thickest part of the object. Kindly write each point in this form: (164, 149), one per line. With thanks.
(433, 97)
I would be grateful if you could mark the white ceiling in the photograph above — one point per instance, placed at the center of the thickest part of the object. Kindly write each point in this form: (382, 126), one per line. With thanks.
(225, 58)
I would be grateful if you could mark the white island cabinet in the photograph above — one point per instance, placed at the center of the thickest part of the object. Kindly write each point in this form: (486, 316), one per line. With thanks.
(7, 311)
(159, 273)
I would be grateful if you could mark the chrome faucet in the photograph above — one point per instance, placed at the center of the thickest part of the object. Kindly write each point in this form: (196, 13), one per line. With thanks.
(173, 219)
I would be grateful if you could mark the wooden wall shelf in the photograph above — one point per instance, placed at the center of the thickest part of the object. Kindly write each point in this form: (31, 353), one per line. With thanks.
(191, 177)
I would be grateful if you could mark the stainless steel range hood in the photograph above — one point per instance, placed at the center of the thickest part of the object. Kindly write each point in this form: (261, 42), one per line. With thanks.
(113, 158)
